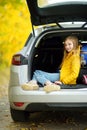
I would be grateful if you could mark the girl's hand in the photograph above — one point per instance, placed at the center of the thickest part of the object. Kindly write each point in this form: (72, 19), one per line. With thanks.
(58, 82)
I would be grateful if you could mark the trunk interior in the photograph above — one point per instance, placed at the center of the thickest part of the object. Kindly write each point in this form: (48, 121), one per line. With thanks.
(48, 55)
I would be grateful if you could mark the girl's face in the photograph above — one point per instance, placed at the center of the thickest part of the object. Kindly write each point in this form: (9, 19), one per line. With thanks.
(68, 45)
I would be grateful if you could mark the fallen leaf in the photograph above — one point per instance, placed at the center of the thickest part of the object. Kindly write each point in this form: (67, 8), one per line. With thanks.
(24, 129)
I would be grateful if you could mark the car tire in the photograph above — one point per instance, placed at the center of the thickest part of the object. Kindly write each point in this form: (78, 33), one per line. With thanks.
(19, 115)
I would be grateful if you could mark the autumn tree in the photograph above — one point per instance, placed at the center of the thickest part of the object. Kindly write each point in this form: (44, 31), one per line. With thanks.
(15, 27)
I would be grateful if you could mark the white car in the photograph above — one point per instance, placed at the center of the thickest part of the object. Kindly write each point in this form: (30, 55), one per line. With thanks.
(43, 50)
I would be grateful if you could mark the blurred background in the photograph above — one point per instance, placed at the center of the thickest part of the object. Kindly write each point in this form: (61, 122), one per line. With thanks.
(15, 27)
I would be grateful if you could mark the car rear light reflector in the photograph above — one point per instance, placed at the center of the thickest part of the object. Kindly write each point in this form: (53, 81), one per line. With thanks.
(18, 104)
(16, 60)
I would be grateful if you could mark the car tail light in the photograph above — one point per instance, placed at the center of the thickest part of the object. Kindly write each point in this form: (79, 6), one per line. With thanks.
(16, 60)
(18, 104)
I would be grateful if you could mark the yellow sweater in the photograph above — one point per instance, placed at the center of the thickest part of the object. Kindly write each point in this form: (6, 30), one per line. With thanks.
(70, 68)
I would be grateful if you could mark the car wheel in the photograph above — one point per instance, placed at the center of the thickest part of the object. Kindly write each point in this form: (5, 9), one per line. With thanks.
(19, 115)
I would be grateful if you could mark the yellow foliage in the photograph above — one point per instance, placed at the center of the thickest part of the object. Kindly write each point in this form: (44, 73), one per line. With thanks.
(15, 27)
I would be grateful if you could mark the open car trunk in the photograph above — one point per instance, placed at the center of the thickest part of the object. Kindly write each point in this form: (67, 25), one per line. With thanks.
(57, 11)
(48, 55)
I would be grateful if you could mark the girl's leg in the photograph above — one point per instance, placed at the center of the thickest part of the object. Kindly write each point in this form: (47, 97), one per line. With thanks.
(42, 77)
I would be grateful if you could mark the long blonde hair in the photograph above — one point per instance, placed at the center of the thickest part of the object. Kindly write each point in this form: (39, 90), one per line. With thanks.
(75, 41)
(76, 46)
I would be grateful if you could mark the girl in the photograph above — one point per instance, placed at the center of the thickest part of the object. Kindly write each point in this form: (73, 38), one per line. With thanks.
(69, 70)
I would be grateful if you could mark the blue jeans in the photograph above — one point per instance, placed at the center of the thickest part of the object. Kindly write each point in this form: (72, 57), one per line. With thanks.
(42, 77)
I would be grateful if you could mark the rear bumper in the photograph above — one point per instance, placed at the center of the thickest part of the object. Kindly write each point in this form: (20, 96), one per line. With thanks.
(40, 100)
(55, 107)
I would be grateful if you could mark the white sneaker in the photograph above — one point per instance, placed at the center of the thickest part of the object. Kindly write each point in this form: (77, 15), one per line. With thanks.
(51, 87)
(31, 85)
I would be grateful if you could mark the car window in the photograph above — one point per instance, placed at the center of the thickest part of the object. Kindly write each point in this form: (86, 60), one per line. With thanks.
(73, 24)
(44, 3)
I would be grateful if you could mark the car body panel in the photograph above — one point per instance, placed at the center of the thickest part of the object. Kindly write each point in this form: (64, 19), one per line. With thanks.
(40, 96)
